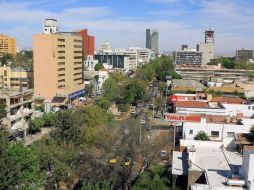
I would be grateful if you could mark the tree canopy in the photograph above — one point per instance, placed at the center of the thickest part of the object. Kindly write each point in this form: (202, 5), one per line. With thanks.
(202, 136)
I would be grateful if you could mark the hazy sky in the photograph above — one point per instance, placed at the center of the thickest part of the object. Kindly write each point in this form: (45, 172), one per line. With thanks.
(123, 22)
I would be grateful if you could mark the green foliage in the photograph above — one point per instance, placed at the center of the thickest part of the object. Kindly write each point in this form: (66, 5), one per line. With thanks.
(35, 125)
(40, 107)
(89, 89)
(2, 110)
(155, 178)
(49, 119)
(110, 89)
(228, 63)
(252, 133)
(118, 77)
(98, 67)
(202, 136)
(103, 103)
(123, 107)
(20, 167)
(133, 92)
(6, 58)
(244, 65)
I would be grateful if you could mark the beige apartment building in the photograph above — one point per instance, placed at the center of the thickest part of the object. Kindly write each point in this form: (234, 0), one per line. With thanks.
(7, 45)
(16, 78)
(57, 66)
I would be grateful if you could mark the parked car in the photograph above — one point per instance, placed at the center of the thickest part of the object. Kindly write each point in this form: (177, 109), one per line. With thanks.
(133, 112)
(143, 121)
(126, 162)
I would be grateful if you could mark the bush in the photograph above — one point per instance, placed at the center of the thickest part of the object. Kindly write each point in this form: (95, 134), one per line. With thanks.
(202, 136)
(49, 119)
(36, 125)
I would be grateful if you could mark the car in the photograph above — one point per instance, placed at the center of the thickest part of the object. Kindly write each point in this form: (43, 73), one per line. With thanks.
(164, 155)
(138, 105)
(143, 121)
(126, 162)
(151, 85)
(113, 160)
(133, 112)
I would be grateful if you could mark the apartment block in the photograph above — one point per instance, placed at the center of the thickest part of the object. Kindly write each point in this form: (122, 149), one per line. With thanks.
(7, 45)
(88, 43)
(244, 55)
(58, 65)
(19, 108)
(15, 78)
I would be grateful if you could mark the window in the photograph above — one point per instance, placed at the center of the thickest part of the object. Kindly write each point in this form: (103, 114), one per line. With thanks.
(230, 134)
(191, 132)
(215, 133)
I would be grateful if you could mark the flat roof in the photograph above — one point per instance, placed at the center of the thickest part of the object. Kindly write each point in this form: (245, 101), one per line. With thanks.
(192, 104)
(217, 164)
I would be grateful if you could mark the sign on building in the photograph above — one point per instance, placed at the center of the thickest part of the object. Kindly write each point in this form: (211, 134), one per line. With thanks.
(182, 118)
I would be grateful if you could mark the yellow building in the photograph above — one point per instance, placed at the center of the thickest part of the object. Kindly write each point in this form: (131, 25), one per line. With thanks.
(57, 66)
(7, 45)
(15, 79)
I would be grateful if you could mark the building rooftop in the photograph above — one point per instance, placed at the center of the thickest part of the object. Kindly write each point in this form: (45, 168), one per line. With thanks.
(226, 89)
(229, 100)
(218, 164)
(192, 104)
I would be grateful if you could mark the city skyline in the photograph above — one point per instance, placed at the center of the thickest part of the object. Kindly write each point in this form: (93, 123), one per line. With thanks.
(178, 22)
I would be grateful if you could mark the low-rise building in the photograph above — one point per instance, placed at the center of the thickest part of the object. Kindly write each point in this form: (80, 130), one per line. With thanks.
(188, 56)
(19, 108)
(208, 165)
(16, 78)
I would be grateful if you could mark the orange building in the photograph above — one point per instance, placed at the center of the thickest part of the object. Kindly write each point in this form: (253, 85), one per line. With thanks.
(88, 43)
(7, 45)
(57, 66)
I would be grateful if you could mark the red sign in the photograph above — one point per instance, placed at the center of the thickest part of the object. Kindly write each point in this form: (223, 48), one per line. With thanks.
(182, 118)
(173, 98)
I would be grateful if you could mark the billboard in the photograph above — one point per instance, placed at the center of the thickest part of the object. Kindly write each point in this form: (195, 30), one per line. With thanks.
(76, 94)
(182, 118)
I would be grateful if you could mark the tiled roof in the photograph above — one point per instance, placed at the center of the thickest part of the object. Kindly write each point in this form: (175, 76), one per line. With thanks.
(232, 100)
(192, 104)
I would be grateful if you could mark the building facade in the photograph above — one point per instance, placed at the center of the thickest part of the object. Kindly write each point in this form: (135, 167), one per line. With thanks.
(88, 43)
(16, 79)
(152, 40)
(188, 56)
(8, 45)
(50, 26)
(244, 55)
(58, 69)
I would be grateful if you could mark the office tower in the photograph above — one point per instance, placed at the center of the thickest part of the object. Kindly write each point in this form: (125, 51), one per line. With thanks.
(88, 43)
(8, 45)
(207, 48)
(50, 26)
(244, 55)
(209, 36)
(58, 66)
(148, 38)
(152, 38)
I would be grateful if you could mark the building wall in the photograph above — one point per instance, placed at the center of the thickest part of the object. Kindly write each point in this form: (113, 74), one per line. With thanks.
(155, 42)
(57, 64)
(248, 166)
(88, 43)
(15, 78)
(207, 51)
(244, 55)
(190, 130)
(7, 45)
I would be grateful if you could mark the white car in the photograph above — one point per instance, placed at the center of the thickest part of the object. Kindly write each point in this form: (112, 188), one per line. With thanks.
(143, 121)
(133, 112)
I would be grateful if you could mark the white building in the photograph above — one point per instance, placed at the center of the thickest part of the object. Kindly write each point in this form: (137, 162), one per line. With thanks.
(218, 128)
(106, 46)
(50, 26)
(208, 165)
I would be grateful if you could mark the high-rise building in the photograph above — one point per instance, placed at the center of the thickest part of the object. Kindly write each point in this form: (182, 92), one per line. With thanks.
(88, 43)
(50, 26)
(58, 69)
(244, 55)
(8, 45)
(152, 38)
(209, 36)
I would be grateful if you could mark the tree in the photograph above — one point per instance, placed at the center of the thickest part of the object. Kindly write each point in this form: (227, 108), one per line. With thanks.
(110, 89)
(98, 67)
(20, 167)
(49, 119)
(202, 136)
(154, 178)
(89, 89)
(118, 77)
(159, 103)
(103, 103)
(228, 63)
(35, 125)
(133, 92)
